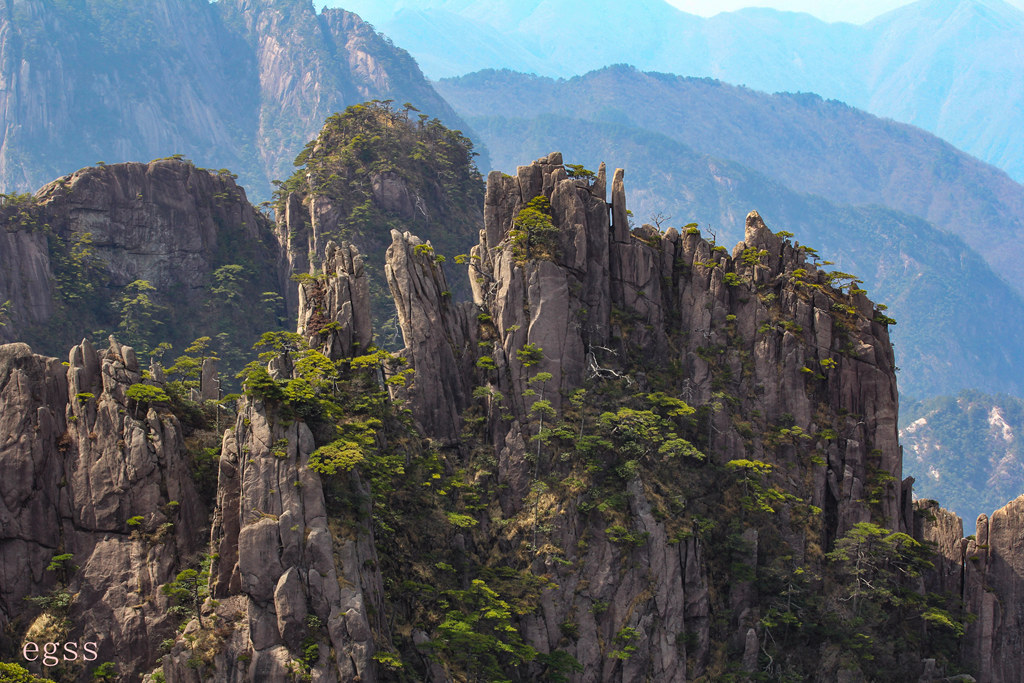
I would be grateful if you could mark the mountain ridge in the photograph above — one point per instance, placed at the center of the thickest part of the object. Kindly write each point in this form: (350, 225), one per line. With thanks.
(891, 66)
(734, 144)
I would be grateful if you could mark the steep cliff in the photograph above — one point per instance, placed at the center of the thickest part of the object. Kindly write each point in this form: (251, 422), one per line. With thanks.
(249, 85)
(74, 253)
(587, 336)
(99, 509)
(985, 571)
(635, 455)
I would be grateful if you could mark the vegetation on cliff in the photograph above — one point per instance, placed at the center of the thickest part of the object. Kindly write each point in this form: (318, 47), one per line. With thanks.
(634, 454)
(373, 169)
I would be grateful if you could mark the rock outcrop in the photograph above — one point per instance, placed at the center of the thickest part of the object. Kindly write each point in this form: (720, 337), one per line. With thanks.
(334, 311)
(103, 483)
(288, 575)
(432, 189)
(439, 336)
(72, 249)
(994, 591)
(764, 315)
(985, 571)
(298, 584)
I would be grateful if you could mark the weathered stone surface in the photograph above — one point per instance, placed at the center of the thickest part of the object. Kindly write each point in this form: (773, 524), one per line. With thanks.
(439, 337)
(987, 572)
(663, 284)
(934, 524)
(166, 222)
(209, 382)
(334, 311)
(994, 591)
(80, 463)
(278, 550)
(26, 280)
(392, 194)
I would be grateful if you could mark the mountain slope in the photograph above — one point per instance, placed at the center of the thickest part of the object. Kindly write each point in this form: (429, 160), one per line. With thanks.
(953, 67)
(248, 85)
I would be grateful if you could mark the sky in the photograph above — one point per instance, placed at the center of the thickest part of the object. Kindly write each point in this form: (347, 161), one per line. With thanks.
(853, 11)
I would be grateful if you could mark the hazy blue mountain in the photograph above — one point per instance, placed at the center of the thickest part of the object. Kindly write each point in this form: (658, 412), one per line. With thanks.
(956, 69)
(967, 451)
(953, 67)
(805, 143)
(241, 84)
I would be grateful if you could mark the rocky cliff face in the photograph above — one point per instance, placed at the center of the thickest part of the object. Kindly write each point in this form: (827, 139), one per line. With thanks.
(986, 571)
(761, 323)
(72, 250)
(252, 83)
(102, 484)
(635, 455)
(759, 339)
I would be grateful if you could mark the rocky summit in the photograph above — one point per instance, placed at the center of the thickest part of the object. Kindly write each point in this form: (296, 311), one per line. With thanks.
(634, 455)
(154, 252)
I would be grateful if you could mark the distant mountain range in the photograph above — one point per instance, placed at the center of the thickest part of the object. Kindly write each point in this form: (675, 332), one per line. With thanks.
(952, 67)
(883, 200)
(967, 451)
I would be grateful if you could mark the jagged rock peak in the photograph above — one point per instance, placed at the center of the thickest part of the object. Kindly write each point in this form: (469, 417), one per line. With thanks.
(334, 306)
(439, 335)
(280, 562)
(757, 234)
(596, 299)
(102, 482)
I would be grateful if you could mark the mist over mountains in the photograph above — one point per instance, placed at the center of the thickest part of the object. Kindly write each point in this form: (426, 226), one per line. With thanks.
(952, 67)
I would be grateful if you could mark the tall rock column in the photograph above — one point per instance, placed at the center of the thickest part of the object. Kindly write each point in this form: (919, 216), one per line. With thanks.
(334, 310)
(300, 574)
(438, 336)
(994, 592)
(278, 551)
